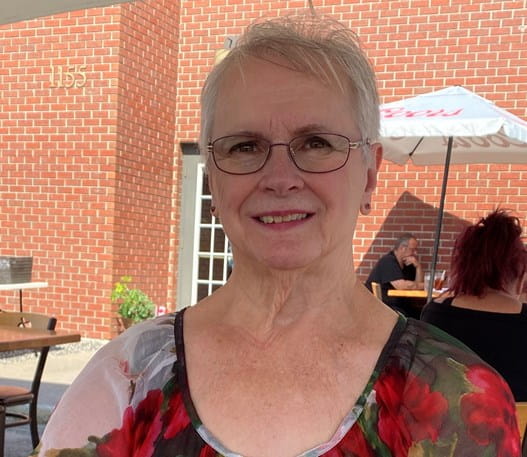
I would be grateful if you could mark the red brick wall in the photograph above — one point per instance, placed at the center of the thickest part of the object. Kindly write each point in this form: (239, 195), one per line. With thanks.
(86, 168)
(57, 161)
(146, 106)
(416, 46)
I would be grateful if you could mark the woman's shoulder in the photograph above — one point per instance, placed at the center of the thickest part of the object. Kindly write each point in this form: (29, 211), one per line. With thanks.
(441, 305)
(119, 375)
(446, 364)
(431, 344)
(450, 392)
(140, 351)
(418, 348)
(143, 340)
(445, 309)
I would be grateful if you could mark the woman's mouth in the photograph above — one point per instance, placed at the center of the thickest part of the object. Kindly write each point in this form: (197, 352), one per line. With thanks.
(278, 219)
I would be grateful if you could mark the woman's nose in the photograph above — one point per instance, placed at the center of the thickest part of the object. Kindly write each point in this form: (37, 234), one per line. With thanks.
(280, 174)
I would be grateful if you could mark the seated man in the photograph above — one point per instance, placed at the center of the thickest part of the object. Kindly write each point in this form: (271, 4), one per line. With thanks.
(399, 269)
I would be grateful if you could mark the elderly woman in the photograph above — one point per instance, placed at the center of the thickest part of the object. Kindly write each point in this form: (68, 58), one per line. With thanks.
(293, 356)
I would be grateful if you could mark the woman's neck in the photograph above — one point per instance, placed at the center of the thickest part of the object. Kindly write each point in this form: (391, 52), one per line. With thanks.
(263, 302)
(501, 293)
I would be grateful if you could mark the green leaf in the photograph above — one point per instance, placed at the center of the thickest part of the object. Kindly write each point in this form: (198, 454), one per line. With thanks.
(133, 303)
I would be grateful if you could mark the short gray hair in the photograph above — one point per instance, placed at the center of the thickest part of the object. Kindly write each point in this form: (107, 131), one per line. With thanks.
(316, 45)
(404, 240)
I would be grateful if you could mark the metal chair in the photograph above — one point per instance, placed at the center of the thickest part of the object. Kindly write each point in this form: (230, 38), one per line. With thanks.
(17, 395)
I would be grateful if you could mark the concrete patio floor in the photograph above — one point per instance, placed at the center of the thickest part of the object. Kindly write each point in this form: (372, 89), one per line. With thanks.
(62, 366)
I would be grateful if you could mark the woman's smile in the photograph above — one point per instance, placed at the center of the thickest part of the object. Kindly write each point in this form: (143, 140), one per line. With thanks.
(283, 217)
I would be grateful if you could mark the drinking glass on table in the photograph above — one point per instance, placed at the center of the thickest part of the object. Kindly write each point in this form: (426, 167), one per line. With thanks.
(439, 280)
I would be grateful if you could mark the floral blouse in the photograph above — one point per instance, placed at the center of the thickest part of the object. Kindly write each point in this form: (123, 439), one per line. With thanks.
(429, 396)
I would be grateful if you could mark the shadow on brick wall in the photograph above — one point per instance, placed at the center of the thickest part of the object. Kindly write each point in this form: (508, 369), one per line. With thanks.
(410, 214)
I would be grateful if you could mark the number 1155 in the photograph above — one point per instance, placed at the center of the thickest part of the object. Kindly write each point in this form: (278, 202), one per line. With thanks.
(68, 76)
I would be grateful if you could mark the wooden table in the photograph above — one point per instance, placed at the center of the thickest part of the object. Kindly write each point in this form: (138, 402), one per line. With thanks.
(411, 293)
(21, 286)
(15, 338)
(416, 299)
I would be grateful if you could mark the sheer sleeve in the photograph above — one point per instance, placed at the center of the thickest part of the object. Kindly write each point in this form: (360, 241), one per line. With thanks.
(118, 375)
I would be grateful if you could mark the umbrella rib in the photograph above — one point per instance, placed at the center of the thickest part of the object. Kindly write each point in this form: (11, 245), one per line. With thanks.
(416, 146)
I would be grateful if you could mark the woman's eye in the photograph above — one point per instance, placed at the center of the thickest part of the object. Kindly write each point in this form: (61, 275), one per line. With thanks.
(244, 148)
(316, 143)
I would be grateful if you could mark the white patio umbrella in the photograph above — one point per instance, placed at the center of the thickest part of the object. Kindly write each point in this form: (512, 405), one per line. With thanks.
(452, 125)
(20, 10)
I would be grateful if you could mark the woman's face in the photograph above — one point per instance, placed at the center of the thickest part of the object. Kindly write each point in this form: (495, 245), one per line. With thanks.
(280, 216)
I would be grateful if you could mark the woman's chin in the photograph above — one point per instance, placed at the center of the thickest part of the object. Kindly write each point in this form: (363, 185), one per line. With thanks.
(288, 261)
(285, 265)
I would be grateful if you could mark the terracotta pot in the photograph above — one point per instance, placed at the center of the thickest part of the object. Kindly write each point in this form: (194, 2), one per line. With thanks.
(123, 323)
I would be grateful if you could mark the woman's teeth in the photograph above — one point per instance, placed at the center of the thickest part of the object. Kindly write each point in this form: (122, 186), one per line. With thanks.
(280, 219)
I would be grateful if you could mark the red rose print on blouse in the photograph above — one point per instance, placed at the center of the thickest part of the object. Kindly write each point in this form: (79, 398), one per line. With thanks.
(489, 412)
(353, 444)
(207, 451)
(139, 431)
(408, 410)
(176, 416)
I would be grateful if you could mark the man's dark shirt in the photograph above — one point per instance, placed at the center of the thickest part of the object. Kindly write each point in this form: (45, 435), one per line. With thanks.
(387, 269)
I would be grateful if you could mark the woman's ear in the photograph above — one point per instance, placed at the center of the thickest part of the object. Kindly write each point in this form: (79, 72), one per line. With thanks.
(213, 208)
(371, 177)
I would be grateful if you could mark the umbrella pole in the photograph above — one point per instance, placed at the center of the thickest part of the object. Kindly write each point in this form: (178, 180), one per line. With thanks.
(440, 217)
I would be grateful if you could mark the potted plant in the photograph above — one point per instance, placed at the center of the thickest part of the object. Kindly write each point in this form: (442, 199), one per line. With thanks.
(134, 304)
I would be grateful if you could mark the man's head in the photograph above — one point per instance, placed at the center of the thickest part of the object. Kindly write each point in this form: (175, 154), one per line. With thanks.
(405, 246)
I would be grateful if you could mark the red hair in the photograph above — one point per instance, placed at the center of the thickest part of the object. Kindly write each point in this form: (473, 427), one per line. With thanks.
(488, 255)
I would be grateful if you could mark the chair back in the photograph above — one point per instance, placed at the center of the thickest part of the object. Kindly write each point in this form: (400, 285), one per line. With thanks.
(31, 320)
(17, 396)
(376, 289)
(521, 414)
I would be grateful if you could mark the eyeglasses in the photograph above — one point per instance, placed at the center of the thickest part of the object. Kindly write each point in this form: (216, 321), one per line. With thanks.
(313, 153)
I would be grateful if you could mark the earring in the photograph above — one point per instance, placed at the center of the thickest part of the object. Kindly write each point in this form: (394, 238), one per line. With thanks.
(365, 208)
(212, 210)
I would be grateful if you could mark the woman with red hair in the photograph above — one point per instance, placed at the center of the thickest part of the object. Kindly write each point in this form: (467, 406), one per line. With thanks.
(483, 307)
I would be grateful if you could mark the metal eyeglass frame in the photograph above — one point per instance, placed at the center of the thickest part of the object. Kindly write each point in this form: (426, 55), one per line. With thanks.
(351, 145)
